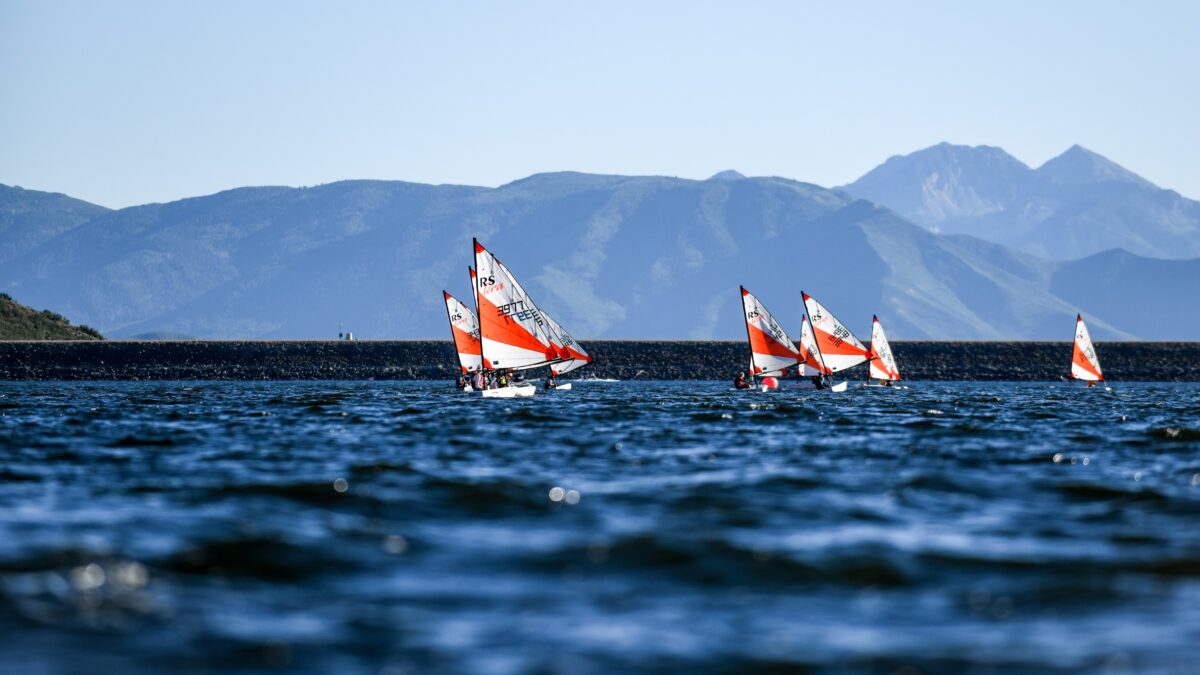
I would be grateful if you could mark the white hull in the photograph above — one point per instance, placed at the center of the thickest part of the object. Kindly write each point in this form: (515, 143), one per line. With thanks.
(882, 386)
(563, 387)
(840, 386)
(512, 391)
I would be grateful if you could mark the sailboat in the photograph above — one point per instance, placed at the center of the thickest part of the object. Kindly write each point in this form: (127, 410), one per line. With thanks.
(837, 348)
(771, 350)
(514, 335)
(883, 363)
(578, 357)
(464, 328)
(1085, 365)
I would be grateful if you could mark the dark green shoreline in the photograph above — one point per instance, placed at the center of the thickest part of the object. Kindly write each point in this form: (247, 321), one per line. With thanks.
(620, 359)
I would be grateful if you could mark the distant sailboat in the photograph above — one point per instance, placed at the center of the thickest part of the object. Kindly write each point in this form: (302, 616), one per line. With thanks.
(464, 328)
(809, 352)
(771, 350)
(514, 335)
(1085, 365)
(578, 357)
(837, 348)
(883, 363)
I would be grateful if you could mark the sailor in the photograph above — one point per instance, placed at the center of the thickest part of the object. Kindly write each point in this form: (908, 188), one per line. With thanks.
(477, 380)
(818, 381)
(551, 382)
(462, 381)
(1091, 383)
(501, 379)
(740, 382)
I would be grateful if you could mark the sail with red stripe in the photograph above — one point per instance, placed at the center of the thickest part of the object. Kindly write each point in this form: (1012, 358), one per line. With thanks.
(883, 364)
(771, 350)
(838, 347)
(577, 357)
(1085, 365)
(512, 330)
(809, 354)
(465, 329)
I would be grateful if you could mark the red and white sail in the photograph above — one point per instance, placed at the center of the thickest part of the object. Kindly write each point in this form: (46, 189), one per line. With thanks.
(578, 357)
(513, 333)
(809, 355)
(839, 349)
(771, 350)
(465, 329)
(1084, 363)
(883, 364)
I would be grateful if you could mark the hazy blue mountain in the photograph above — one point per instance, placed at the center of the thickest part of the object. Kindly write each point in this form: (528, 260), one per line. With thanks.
(1074, 205)
(29, 217)
(609, 256)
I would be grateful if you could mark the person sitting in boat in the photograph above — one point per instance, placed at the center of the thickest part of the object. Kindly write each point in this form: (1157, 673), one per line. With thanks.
(501, 379)
(1091, 383)
(462, 381)
(478, 381)
(818, 382)
(740, 382)
(551, 382)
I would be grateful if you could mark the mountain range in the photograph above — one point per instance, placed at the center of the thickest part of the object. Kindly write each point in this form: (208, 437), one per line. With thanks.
(1074, 205)
(609, 256)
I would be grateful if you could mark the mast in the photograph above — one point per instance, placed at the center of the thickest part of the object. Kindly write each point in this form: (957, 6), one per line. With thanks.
(475, 294)
(746, 323)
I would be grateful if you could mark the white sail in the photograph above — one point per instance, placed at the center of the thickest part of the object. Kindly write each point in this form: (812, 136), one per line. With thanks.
(883, 364)
(771, 350)
(808, 351)
(838, 347)
(512, 330)
(464, 327)
(578, 356)
(1085, 365)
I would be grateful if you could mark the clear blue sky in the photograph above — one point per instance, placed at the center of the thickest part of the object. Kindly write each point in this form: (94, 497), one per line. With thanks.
(128, 102)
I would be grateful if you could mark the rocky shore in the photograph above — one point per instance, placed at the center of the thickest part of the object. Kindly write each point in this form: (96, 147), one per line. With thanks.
(620, 359)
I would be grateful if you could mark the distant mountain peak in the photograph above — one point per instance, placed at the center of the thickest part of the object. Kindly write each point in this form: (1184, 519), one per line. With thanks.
(727, 174)
(1079, 165)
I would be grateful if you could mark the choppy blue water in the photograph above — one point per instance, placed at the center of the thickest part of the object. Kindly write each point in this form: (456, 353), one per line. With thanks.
(404, 527)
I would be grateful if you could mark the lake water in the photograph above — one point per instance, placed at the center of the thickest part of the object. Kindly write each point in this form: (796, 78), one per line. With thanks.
(404, 527)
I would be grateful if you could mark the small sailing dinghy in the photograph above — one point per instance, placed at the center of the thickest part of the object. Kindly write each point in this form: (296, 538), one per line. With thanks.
(464, 328)
(578, 357)
(837, 348)
(1085, 365)
(771, 351)
(883, 364)
(514, 334)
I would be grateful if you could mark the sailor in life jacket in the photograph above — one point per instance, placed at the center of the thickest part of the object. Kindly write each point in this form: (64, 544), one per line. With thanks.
(740, 382)
(551, 382)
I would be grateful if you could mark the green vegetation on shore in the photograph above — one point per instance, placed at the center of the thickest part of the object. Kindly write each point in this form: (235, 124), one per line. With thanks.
(18, 322)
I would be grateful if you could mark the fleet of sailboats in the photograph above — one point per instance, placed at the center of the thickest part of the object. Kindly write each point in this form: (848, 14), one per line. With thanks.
(508, 334)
